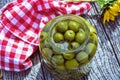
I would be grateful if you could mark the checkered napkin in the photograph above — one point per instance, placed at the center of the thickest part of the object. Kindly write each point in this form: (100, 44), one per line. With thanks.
(21, 22)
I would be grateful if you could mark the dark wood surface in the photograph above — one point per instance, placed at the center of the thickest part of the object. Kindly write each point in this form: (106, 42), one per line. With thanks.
(106, 63)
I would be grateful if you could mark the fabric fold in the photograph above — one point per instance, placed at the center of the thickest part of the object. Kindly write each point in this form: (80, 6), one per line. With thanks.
(21, 23)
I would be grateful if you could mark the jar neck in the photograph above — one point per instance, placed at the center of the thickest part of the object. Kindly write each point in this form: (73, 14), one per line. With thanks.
(71, 17)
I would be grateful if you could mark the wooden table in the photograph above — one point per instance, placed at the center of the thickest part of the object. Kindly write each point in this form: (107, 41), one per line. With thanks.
(106, 63)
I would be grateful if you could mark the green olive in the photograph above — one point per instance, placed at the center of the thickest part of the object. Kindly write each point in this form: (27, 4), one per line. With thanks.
(69, 35)
(47, 53)
(58, 37)
(68, 56)
(80, 37)
(71, 64)
(43, 35)
(62, 26)
(57, 60)
(60, 67)
(82, 57)
(73, 25)
(93, 38)
(55, 51)
(91, 49)
(74, 45)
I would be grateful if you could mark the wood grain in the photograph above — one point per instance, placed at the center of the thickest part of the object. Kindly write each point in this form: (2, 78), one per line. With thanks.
(106, 63)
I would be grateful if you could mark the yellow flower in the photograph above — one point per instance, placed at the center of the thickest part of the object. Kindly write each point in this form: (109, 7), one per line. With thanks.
(112, 11)
(118, 2)
(115, 7)
(106, 17)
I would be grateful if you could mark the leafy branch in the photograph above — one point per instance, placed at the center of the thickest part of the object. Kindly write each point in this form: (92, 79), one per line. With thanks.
(109, 9)
(104, 4)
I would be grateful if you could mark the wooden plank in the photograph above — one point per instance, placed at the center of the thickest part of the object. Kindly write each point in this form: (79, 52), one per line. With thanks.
(105, 65)
(112, 30)
(3, 2)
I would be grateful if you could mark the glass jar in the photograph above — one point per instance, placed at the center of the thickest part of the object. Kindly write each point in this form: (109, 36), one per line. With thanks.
(68, 43)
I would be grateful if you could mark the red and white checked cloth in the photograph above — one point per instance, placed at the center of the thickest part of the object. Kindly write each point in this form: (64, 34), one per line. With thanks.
(21, 22)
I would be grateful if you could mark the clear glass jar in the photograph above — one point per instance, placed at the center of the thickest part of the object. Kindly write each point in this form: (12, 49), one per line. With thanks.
(68, 43)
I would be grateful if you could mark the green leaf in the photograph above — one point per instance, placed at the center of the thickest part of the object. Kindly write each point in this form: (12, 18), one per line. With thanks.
(104, 4)
(101, 2)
